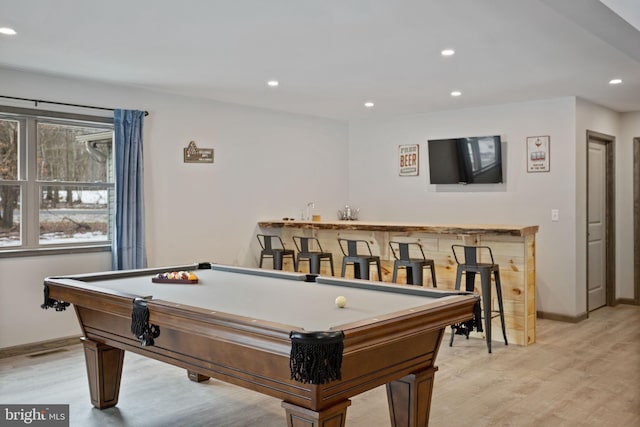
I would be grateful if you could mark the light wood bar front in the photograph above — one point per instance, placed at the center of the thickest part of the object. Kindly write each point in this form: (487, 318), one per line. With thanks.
(513, 249)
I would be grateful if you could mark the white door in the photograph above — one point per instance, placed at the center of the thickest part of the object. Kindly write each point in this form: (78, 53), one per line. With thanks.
(597, 231)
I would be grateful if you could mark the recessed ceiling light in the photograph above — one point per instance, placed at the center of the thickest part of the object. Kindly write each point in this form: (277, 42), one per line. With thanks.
(273, 83)
(369, 104)
(615, 81)
(8, 31)
(447, 52)
(456, 93)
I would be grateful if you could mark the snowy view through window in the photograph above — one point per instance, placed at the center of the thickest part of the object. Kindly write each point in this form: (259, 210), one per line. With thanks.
(67, 198)
(86, 221)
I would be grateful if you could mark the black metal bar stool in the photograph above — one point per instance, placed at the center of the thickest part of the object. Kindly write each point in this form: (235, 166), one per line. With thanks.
(273, 247)
(305, 253)
(361, 261)
(414, 266)
(469, 265)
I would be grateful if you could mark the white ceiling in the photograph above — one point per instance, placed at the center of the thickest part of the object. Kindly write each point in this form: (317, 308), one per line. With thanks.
(331, 56)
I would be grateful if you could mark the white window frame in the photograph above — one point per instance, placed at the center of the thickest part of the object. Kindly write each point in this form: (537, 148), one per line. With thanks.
(30, 185)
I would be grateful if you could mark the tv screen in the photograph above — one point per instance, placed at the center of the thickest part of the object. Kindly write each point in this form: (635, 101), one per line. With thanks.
(474, 160)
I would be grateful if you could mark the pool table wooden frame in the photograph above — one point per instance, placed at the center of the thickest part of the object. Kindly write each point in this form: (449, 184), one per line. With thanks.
(398, 350)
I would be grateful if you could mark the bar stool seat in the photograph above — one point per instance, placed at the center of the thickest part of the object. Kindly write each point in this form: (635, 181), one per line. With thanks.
(303, 245)
(467, 259)
(355, 255)
(273, 247)
(414, 266)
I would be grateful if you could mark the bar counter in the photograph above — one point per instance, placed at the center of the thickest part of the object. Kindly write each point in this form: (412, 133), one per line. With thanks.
(501, 230)
(513, 249)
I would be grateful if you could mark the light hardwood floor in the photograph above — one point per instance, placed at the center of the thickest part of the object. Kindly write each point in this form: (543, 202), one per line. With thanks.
(585, 374)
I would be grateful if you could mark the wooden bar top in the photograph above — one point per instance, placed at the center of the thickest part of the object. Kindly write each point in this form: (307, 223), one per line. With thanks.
(487, 229)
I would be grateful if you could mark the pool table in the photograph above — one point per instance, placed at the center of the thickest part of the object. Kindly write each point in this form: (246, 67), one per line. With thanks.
(274, 332)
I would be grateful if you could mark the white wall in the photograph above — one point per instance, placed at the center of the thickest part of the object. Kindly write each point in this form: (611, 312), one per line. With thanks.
(267, 165)
(21, 292)
(525, 198)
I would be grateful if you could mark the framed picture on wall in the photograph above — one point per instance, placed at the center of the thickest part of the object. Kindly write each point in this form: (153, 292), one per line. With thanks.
(193, 154)
(538, 159)
(408, 158)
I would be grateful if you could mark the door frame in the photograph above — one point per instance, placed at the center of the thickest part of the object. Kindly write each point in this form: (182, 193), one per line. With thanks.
(636, 219)
(609, 142)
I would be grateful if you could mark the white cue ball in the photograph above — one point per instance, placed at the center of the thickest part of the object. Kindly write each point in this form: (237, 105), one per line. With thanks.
(341, 301)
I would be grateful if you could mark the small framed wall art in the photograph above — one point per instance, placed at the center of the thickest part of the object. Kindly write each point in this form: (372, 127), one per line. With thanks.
(193, 154)
(538, 159)
(408, 157)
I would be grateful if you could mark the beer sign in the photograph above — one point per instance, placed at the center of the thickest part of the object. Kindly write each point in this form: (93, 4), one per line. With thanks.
(408, 156)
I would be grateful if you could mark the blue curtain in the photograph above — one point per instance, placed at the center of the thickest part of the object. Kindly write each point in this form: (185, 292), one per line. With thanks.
(129, 251)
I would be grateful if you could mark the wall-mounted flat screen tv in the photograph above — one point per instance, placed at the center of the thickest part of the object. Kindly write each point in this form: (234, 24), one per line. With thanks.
(474, 160)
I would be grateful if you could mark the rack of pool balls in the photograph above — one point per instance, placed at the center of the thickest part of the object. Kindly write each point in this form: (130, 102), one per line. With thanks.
(187, 277)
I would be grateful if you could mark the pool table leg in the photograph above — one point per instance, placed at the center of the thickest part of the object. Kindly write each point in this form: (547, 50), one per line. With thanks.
(410, 399)
(104, 370)
(334, 416)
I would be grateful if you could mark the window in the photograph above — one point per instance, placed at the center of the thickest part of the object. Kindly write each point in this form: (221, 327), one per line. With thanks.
(482, 153)
(56, 180)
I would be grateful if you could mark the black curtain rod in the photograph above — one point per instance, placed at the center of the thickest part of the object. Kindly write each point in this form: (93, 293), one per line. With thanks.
(40, 101)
